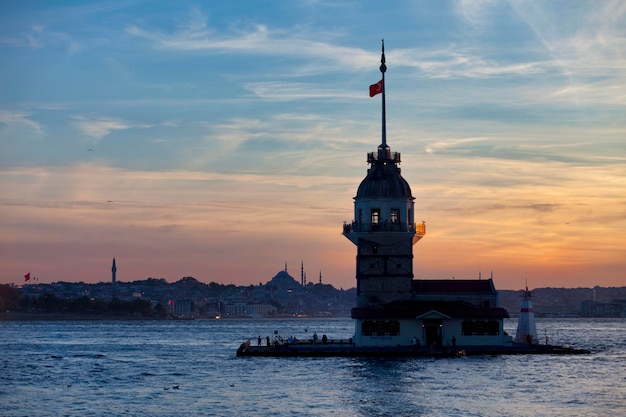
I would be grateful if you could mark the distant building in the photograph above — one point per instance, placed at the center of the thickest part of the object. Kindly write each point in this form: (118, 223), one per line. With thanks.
(615, 308)
(249, 310)
(181, 308)
(113, 277)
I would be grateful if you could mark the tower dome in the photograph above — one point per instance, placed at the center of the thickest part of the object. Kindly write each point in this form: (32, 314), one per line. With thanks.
(383, 179)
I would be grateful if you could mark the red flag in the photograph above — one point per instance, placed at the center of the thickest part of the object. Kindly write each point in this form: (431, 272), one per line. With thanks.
(376, 88)
(27, 277)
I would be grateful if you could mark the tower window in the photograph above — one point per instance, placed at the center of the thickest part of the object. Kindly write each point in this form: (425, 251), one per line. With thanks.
(375, 216)
(395, 215)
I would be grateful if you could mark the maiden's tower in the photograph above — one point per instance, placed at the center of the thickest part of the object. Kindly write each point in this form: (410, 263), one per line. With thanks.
(395, 314)
(392, 308)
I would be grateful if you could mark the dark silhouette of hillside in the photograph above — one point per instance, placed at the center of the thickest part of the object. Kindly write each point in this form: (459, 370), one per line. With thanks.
(150, 298)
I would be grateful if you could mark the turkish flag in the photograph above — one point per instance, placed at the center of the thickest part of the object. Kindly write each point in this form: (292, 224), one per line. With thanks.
(27, 277)
(376, 88)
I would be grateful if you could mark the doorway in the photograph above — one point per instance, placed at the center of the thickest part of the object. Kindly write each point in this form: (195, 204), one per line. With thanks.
(432, 331)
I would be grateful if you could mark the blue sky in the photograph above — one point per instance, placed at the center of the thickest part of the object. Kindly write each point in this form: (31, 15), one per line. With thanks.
(221, 140)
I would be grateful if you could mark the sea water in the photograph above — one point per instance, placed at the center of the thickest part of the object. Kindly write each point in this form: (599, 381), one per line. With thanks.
(189, 368)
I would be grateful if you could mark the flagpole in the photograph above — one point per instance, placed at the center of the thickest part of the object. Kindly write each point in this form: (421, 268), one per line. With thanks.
(383, 69)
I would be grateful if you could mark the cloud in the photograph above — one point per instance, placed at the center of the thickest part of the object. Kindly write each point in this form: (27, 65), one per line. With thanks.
(257, 39)
(587, 43)
(453, 143)
(29, 39)
(286, 91)
(476, 11)
(37, 37)
(18, 119)
(578, 46)
(319, 56)
(100, 127)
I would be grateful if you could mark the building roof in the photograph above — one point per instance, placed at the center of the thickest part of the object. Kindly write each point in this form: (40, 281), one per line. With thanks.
(414, 309)
(436, 286)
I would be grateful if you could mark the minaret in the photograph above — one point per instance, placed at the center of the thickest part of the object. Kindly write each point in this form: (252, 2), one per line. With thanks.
(320, 276)
(302, 281)
(113, 273)
(526, 329)
(383, 228)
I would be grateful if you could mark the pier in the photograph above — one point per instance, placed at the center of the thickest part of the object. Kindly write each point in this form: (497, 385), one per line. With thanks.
(344, 348)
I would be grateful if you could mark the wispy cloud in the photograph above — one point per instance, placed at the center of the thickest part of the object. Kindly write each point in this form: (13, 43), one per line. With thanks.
(257, 39)
(452, 143)
(100, 127)
(587, 46)
(319, 56)
(476, 11)
(13, 119)
(458, 61)
(28, 39)
(39, 36)
(274, 90)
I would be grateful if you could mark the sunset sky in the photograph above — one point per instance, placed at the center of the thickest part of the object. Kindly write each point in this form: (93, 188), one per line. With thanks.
(220, 140)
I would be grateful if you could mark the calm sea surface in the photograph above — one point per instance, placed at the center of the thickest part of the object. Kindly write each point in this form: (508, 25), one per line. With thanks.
(189, 368)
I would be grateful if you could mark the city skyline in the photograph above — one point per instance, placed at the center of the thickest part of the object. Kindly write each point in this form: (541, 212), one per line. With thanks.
(221, 141)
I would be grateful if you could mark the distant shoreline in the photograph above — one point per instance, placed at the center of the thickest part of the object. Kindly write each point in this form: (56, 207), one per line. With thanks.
(74, 317)
(21, 316)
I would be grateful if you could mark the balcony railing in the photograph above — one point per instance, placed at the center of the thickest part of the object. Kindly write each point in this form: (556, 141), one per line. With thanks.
(355, 227)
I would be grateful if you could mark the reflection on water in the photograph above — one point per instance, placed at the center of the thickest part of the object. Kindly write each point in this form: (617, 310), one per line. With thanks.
(175, 368)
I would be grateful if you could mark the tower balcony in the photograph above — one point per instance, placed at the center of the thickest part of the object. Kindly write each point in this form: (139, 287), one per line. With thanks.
(355, 227)
(385, 231)
(383, 155)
